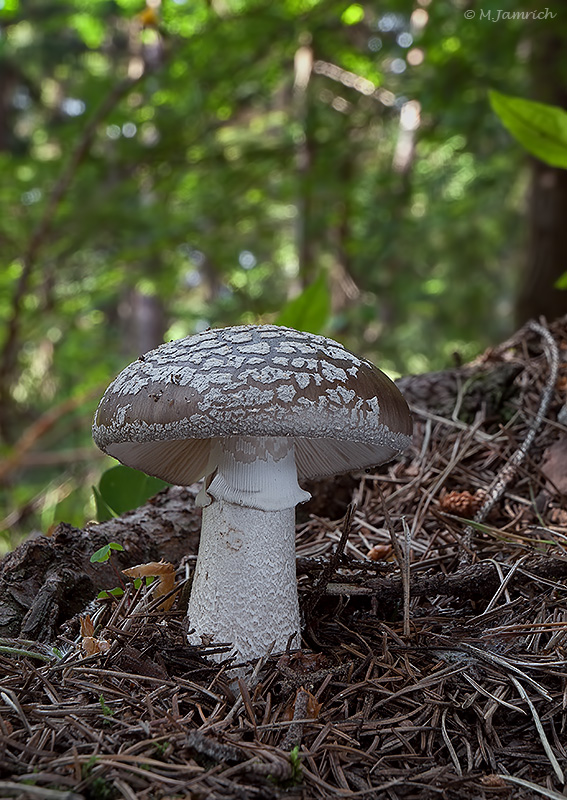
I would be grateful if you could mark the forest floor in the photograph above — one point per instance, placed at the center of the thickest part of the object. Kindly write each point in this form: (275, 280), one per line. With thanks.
(435, 668)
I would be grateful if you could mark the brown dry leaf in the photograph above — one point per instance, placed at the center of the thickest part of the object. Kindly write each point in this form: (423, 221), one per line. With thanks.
(313, 706)
(554, 465)
(90, 644)
(156, 569)
(87, 626)
(493, 781)
(558, 516)
(303, 662)
(379, 552)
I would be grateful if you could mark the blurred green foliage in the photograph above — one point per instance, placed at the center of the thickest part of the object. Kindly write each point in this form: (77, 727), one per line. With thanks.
(310, 310)
(326, 164)
(121, 489)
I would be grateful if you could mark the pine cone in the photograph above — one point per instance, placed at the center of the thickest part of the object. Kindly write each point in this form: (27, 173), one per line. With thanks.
(462, 504)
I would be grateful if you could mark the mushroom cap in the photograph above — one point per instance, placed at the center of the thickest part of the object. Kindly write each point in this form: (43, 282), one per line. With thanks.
(161, 412)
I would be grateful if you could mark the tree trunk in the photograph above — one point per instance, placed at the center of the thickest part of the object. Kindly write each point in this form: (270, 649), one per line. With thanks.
(547, 247)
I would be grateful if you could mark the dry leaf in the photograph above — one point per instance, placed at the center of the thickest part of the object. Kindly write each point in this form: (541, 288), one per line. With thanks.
(87, 626)
(302, 662)
(156, 569)
(555, 465)
(312, 710)
(379, 552)
(558, 516)
(493, 781)
(313, 706)
(90, 644)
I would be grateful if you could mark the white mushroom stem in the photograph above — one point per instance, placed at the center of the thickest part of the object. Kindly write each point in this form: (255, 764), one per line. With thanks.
(245, 588)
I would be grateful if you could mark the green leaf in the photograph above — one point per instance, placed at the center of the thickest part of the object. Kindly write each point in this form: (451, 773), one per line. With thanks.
(540, 128)
(310, 310)
(561, 282)
(106, 710)
(106, 595)
(103, 512)
(103, 553)
(122, 488)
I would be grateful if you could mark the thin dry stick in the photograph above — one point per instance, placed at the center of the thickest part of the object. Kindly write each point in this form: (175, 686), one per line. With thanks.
(252, 682)
(333, 564)
(403, 560)
(508, 472)
(544, 740)
(534, 787)
(486, 693)
(504, 583)
(14, 789)
(406, 578)
(449, 744)
(492, 658)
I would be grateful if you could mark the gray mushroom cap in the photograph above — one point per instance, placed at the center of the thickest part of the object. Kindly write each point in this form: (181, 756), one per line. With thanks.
(161, 412)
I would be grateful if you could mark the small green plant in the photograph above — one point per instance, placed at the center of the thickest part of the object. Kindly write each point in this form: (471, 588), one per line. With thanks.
(296, 771)
(103, 553)
(101, 789)
(295, 761)
(99, 557)
(88, 766)
(106, 595)
(106, 710)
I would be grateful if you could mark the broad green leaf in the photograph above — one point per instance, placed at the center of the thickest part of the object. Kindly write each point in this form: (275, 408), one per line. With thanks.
(561, 282)
(103, 553)
(310, 310)
(103, 512)
(122, 488)
(540, 128)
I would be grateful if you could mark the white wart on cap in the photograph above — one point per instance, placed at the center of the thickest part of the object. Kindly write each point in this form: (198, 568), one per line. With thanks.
(253, 408)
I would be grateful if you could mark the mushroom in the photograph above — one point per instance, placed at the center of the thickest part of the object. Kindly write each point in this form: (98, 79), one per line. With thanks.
(252, 409)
